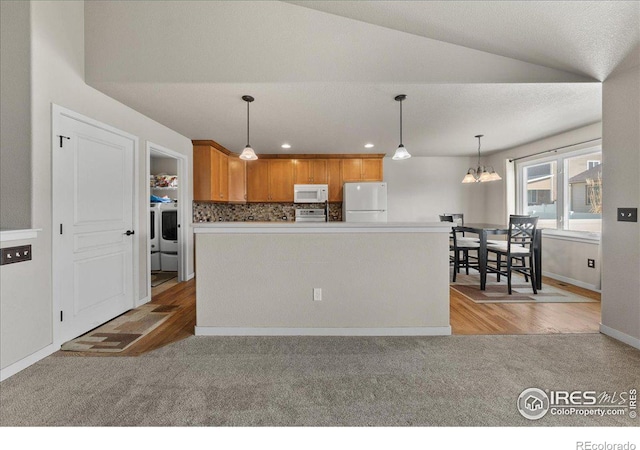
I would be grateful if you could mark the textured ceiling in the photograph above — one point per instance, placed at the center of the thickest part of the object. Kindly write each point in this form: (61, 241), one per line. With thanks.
(325, 83)
(584, 37)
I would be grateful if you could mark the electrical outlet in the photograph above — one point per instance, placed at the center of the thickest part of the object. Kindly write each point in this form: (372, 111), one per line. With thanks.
(12, 255)
(627, 214)
(591, 263)
(317, 294)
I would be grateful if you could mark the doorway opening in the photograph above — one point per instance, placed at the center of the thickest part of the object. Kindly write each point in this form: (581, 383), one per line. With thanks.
(167, 239)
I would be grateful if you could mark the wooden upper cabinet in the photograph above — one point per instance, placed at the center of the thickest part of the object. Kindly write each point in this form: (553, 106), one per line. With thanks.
(237, 179)
(223, 177)
(281, 180)
(258, 180)
(371, 169)
(210, 174)
(351, 170)
(319, 173)
(202, 173)
(302, 171)
(334, 175)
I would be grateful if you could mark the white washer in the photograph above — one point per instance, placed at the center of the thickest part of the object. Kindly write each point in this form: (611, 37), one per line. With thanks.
(154, 235)
(169, 227)
(169, 244)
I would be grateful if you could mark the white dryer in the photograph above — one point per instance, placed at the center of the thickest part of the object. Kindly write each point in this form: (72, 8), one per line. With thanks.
(154, 236)
(169, 244)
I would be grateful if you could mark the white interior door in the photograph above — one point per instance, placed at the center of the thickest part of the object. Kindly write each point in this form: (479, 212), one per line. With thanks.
(93, 200)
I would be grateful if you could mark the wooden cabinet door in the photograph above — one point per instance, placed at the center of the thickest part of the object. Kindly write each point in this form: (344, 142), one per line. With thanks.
(223, 177)
(351, 169)
(202, 173)
(371, 169)
(302, 171)
(258, 180)
(319, 171)
(334, 180)
(281, 180)
(214, 159)
(237, 179)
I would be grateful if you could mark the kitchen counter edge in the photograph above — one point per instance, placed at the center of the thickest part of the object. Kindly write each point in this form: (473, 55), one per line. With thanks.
(322, 227)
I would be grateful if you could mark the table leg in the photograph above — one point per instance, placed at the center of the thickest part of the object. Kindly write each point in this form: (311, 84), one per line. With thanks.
(537, 253)
(482, 259)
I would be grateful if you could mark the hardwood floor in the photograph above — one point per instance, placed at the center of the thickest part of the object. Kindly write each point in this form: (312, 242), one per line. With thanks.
(467, 317)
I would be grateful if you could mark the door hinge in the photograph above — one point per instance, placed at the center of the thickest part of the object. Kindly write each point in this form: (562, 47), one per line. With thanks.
(60, 228)
(61, 138)
(61, 319)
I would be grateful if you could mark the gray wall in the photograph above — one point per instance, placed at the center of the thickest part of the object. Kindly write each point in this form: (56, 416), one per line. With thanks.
(57, 73)
(621, 240)
(368, 280)
(15, 115)
(421, 188)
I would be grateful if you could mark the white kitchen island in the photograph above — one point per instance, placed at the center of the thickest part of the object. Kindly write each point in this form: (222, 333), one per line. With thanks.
(376, 279)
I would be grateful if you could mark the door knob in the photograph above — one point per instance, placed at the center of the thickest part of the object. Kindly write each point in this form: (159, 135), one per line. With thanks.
(130, 232)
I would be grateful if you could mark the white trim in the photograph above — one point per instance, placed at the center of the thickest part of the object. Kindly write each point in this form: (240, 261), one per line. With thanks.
(142, 301)
(269, 331)
(57, 112)
(576, 236)
(184, 214)
(619, 335)
(19, 235)
(191, 276)
(27, 361)
(578, 283)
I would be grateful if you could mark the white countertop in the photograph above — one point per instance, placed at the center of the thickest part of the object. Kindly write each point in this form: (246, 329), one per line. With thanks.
(320, 227)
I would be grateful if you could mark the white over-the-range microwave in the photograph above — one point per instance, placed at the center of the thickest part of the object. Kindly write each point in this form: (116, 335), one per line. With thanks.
(310, 193)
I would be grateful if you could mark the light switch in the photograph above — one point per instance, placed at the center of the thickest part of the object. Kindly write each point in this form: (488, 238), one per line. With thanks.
(12, 255)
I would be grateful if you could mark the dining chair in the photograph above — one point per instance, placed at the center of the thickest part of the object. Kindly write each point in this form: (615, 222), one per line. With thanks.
(516, 250)
(460, 248)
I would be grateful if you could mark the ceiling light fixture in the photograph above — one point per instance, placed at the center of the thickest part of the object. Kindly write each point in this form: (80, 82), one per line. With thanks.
(285, 146)
(481, 173)
(368, 146)
(401, 152)
(248, 154)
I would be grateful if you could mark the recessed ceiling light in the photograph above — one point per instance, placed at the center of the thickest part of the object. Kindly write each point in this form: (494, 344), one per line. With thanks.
(286, 146)
(368, 145)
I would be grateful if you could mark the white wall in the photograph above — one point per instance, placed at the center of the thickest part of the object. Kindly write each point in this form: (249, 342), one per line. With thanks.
(562, 259)
(167, 166)
(421, 188)
(57, 71)
(621, 240)
(15, 115)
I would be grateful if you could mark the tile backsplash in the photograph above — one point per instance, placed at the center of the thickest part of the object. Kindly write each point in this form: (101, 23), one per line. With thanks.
(259, 212)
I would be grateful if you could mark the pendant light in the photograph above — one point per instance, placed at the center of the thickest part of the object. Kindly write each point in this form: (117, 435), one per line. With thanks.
(248, 154)
(401, 152)
(480, 174)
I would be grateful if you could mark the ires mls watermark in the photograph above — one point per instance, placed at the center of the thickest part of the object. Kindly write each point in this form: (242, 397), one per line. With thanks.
(534, 403)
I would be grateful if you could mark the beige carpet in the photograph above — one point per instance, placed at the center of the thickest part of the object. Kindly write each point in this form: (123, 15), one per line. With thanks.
(323, 381)
(121, 332)
(469, 286)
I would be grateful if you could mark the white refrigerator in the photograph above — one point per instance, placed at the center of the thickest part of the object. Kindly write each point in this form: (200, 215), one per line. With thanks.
(364, 202)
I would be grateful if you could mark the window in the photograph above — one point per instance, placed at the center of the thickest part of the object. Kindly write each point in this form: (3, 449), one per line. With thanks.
(564, 191)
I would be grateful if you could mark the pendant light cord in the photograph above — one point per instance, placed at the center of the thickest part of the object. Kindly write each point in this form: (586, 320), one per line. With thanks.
(248, 124)
(479, 137)
(400, 122)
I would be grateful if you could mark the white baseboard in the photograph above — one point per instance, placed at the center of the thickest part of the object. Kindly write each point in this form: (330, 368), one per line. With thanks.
(578, 283)
(619, 335)
(273, 331)
(22, 364)
(142, 301)
(191, 276)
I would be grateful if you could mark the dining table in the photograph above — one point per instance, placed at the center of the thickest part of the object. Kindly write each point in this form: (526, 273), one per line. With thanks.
(483, 230)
